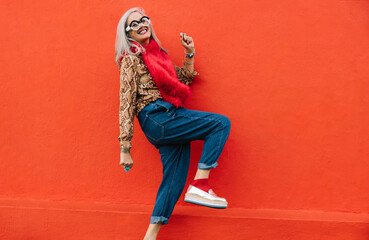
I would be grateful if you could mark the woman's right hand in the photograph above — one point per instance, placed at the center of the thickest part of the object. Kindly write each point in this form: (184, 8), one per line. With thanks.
(126, 159)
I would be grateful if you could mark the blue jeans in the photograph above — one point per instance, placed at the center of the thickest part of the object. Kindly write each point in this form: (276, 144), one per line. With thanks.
(171, 130)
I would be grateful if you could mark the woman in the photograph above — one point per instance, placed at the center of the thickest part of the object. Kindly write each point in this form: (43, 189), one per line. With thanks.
(154, 89)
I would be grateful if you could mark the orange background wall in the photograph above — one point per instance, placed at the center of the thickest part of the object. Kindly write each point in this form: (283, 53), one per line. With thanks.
(291, 75)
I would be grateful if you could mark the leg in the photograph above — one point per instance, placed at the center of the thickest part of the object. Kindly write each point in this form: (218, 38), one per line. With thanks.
(213, 144)
(214, 129)
(164, 126)
(202, 174)
(175, 159)
(152, 231)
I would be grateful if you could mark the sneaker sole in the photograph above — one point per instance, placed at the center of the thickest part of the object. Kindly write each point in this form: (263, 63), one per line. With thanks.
(195, 199)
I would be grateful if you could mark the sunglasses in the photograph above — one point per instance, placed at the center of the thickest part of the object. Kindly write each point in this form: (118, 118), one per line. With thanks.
(135, 25)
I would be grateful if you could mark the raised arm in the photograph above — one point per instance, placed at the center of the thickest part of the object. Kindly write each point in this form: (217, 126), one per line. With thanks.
(186, 73)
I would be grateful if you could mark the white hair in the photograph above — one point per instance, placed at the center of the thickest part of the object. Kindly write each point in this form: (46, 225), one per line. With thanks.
(122, 40)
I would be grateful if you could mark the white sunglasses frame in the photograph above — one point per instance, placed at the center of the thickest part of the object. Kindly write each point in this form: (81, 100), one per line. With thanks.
(140, 23)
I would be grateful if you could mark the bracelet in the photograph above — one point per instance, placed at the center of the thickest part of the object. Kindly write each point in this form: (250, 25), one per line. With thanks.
(189, 55)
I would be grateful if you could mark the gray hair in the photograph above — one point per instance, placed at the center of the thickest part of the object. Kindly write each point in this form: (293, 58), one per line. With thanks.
(122, 40)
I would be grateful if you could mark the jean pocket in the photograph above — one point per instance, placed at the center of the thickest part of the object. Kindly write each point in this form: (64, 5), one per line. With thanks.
(152, 129)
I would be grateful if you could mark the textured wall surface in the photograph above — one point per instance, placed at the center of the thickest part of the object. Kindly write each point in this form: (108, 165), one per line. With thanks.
(291, 75)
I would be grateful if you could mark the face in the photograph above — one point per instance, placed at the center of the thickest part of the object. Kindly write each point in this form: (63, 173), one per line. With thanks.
(143, 34)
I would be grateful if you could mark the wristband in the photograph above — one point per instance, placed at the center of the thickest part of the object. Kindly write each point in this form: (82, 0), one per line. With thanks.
(189, 55)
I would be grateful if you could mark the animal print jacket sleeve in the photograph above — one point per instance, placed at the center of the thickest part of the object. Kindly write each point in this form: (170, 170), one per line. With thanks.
(184, 75)
(127, 95)
(137, 89)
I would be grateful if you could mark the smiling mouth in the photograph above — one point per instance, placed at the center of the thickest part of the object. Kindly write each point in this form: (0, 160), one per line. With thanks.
(142, 31)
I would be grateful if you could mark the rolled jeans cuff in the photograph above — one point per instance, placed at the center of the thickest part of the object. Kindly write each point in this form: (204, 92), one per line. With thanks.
(204, 166)
(158, 219)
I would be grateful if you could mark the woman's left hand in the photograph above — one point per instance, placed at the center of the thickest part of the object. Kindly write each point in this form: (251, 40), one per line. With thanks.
(187, 42)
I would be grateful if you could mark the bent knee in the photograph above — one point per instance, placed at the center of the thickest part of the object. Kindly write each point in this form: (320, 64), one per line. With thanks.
(226, 122)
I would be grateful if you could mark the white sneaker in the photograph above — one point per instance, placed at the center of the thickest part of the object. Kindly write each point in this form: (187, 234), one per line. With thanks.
(209, 199)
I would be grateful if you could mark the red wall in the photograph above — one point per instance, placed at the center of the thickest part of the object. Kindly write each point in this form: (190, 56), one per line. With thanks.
(291, 75)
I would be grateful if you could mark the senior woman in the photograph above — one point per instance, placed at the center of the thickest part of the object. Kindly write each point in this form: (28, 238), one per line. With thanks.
(154, 89)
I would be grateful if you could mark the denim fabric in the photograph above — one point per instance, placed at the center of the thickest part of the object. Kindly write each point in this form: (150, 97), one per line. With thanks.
(171, 130)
